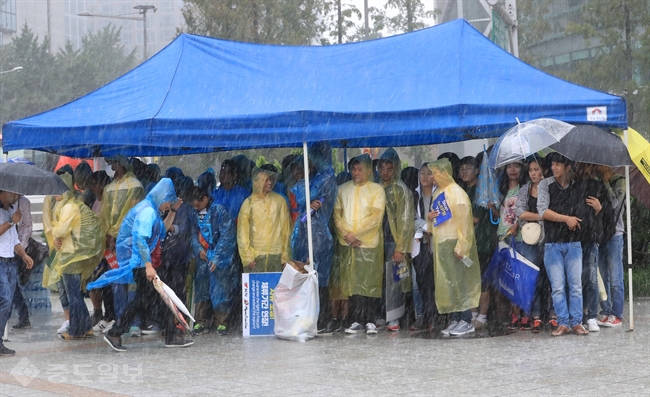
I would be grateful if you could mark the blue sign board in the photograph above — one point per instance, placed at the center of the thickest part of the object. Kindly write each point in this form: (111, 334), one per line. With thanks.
(257, 303)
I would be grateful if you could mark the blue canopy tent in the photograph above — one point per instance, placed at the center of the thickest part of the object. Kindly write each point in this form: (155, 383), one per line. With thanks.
(443, 84)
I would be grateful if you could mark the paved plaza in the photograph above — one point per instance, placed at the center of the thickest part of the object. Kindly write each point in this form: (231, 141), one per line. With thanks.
(612, 362)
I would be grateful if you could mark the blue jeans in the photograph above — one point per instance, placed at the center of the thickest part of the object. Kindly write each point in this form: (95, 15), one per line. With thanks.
(610, 262)
(417, 298)
(63, 296)
(563, 263)
(21, 305)
(590, 279)
(8, 280)
(80, 322)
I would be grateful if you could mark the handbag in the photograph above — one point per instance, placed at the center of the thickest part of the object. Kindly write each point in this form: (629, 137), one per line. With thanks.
(38, 252)
(531, 233)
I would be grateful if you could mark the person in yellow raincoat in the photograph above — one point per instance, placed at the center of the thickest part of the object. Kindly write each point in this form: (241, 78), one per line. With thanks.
(358, 215)
(119, 197)
(456, 267)
(263, 227)
(79, 243)
(398, 225)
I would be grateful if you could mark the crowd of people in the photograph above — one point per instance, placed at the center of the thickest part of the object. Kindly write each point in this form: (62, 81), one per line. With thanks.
(114, 232)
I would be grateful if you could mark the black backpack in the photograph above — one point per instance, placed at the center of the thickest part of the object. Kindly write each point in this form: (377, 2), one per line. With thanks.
(610, 216)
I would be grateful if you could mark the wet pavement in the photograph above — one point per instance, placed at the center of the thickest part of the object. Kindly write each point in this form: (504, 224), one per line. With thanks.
(612, 362)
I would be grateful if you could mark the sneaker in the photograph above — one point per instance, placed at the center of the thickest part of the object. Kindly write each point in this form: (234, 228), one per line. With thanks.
(135, 331)
(108, 327)
(514, 323)
(393, 326)
(602, 319)
(97, 317)
(151, 330)
(537, 326)
(592, 325)
(328, 329)
(371, 328)
(452, 325)
(525, 324)
(67, 336)
(418, 324)
(222, 330)
(64, 327)
(336, 325)
(478, 325)
(5, 351)
(613, 322)
(199, 329)
(179, 341)
(463, 328)
(100, 326)
(21, 325)
(354, 328)
(552, 324)
(115, 342)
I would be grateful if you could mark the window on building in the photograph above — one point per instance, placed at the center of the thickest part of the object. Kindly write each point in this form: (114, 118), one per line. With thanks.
(8, 16)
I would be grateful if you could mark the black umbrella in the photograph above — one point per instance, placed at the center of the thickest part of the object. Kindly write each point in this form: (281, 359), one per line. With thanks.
(29, 179)
(590, 144)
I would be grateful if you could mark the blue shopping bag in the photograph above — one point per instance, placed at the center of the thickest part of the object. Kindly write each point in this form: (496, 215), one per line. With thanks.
(512, 275)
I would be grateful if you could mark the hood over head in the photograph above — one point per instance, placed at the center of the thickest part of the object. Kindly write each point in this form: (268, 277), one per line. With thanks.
(442, 172)
(391, 155)
(163, 192)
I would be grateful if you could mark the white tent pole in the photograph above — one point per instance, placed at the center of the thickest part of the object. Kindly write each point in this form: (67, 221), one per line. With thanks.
(629, 236)
(307, 203)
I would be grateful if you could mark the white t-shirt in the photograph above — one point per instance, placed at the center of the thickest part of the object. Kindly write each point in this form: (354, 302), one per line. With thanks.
(9, 239)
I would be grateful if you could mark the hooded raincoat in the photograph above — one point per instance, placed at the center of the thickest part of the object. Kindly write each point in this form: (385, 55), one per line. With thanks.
(216, 236)
(263, 228)
(457, 287)
(359, 209)
(118, 199)
(322, 186)
(81, 234)
(141, 231)
(400, 214)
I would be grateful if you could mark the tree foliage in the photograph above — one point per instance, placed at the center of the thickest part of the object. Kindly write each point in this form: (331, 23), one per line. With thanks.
(341, 22)
(410, 15)
(292, 22)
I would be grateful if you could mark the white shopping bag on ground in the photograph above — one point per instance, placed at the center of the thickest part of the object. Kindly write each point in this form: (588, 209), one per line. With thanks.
(296, 304)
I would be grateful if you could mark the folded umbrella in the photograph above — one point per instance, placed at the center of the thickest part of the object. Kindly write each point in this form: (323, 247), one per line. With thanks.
(173, 302)
(590, 144)
(28, 179)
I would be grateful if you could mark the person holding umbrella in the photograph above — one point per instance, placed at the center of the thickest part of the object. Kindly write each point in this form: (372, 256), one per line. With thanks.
(9, 248)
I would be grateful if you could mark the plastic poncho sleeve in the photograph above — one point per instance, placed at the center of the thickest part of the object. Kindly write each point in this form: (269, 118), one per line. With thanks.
(401, 214)
(246, 251)
(465, 233)
(118, 199)
(62, 227)
(142, 230)
(286, 233)
(48, 209)
(222, 253)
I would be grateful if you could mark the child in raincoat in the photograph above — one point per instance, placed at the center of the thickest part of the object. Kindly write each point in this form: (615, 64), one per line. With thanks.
(218, 279)
(456, 266)
(263, 227)
(358, 215)
(79, 242)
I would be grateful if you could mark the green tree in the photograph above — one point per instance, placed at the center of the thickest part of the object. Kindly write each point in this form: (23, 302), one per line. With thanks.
(340, 22)
(377, 24)
(291, 22)
(410, 15)
(532, 26)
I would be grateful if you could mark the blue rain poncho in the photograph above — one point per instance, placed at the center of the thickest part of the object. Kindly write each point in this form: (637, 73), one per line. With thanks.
(232, 199)
(217, 236)
(321, 187)
(141, 231)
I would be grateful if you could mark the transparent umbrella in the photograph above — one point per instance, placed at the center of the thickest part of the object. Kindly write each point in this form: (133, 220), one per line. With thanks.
(525, 139)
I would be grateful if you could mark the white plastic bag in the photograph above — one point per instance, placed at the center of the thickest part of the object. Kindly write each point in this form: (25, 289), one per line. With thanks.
(296, 304)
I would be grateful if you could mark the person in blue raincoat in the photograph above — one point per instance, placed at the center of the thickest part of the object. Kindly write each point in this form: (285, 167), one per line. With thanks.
(140, 234)
(323, 190)
(229, 193)
(217, 275)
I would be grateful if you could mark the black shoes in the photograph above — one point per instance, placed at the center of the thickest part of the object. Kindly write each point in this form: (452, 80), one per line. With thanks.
(178, 341)
(115, 342)
(21, 325)
(4, 351)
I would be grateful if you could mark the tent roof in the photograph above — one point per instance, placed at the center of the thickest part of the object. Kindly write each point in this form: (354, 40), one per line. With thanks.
(442, 84)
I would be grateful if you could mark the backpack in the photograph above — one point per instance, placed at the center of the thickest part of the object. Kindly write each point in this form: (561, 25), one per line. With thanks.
(610, 215)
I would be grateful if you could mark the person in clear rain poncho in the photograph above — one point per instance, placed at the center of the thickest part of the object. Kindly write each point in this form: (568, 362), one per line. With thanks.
(79, 243)
(398, 223)
(141, 232)
(218, 275)
(358, 215)
(456, 266)
(263, 227)
(322, 189)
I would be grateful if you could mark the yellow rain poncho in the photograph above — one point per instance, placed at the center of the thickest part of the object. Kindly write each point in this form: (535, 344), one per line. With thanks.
(458, 287)
(82, 238)
(400, 211)
(359, 209)
(263, 228)
(48, 212)
(118, 199)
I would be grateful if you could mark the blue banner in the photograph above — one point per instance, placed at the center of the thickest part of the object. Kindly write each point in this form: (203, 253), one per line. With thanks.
(257, 303)
(444, 212)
